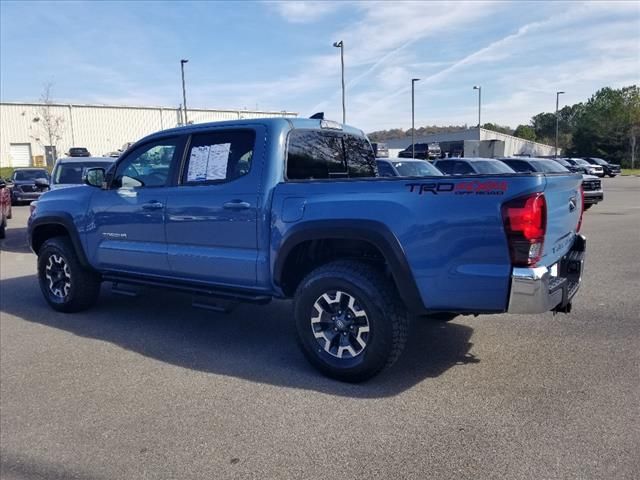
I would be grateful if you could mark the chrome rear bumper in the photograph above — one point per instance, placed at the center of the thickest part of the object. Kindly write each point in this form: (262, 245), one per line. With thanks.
(540, 289)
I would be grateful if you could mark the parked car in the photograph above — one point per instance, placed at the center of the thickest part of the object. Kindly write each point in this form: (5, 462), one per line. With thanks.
(27, 184)
(569, 166)
(70, 171)
(610, 169)
(470, 166)
(79, 152)
(406, 167)
(591, 185)
(5, 206)
(380, 150)
(586, 167)
(228, 211)
(425, 151)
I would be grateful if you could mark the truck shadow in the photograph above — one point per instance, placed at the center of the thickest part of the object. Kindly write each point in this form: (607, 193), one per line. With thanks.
(256, 343)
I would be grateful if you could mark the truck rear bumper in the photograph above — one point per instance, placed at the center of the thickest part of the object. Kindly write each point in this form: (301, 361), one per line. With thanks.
(540, 289)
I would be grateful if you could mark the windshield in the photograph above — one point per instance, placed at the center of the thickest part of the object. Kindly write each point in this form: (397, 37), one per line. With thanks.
(548, 166)
(73, 172)
(26, 175)
(416, 169)
(491, 166)
(580, 161)
(562, 162)
(600, 161)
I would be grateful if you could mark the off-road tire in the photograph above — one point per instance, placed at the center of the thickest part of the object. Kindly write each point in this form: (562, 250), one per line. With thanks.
(3, 229)
(374, 294)
(79, 291)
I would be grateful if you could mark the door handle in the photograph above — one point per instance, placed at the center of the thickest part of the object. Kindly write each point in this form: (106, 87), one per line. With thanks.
(153, 205)
(237, 205)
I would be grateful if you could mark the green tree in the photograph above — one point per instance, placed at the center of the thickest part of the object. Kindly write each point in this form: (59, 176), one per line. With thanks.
(525, 131)
(608, 125)
(498, 128)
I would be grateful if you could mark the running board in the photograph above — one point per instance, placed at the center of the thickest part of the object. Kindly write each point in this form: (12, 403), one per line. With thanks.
(199, 290)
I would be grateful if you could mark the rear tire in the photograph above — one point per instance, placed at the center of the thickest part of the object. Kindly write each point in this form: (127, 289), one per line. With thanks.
(66, 285)
(588, 206)
(350, 321)
(3, 227)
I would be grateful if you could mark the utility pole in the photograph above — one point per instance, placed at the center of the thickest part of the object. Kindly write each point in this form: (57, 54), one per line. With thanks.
(479, 88)
(340, 45)
(184, 91)
(413, 116)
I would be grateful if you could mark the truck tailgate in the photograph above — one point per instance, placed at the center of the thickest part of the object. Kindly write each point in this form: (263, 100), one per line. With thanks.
(564, 207)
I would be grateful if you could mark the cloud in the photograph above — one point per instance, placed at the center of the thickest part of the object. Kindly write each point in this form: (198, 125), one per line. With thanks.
(304, 12)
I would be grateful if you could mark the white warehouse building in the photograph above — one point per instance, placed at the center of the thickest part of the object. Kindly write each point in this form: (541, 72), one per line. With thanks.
(100, 128)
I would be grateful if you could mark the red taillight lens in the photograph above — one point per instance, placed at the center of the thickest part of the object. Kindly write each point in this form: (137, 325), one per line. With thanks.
(581, 208)
(525, 222)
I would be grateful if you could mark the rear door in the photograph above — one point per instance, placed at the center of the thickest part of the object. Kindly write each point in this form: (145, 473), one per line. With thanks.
(211, 223)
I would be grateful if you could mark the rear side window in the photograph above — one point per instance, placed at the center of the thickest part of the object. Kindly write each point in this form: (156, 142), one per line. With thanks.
(463, 168)
(385, 170)
(445, 166)
(519, 165)
(314, 154)
(220, 156)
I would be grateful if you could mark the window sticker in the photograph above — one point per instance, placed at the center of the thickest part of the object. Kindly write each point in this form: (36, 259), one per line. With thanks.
(208, 162)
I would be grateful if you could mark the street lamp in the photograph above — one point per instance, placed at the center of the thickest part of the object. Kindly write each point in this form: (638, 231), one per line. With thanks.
(479, 88)
(413, 116)
(340, 45)
(557, 102)
(184, 92)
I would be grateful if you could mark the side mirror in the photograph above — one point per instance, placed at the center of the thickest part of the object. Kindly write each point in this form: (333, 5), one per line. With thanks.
(41, 182)
(94, 177)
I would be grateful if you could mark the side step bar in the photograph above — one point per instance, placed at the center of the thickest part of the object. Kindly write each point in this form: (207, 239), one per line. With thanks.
(199, 290)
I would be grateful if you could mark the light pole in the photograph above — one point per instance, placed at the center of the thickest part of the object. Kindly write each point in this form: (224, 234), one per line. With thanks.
(479, 88)
(184, 92)
(413, 116)
(557, 102)
(340, 45)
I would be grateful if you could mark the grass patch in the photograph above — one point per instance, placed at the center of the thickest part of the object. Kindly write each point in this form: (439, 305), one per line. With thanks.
(630, 171)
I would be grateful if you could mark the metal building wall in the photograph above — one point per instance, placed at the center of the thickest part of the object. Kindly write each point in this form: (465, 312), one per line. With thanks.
(100, 128)
(517, 146)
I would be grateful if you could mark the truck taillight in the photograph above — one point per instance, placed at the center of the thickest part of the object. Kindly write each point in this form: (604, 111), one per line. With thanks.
(581, 208)
(525, 222)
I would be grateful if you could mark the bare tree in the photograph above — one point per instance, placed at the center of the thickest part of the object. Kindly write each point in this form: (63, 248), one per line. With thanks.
(51, 125)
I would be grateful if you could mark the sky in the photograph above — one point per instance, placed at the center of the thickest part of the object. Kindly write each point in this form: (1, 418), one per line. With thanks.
(279, 56)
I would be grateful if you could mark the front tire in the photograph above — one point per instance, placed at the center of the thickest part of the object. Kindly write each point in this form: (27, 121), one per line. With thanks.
(350, 321)
(66, 285)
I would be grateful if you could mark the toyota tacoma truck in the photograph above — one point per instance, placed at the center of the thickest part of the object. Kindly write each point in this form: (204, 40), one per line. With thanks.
(251, 210)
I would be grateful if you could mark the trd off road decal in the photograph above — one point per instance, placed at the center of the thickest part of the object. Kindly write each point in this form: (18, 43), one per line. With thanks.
(474, 187)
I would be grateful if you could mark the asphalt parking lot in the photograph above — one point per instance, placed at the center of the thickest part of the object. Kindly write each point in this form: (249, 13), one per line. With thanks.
(151, 388)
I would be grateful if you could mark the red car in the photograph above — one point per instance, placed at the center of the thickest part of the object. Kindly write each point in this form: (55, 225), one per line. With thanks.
(5, 206)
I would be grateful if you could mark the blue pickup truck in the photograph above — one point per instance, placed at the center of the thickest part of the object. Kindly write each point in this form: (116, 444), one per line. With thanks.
(251, 210)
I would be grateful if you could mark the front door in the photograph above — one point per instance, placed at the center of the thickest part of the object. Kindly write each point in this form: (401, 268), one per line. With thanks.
(126, 222)
(212, 213)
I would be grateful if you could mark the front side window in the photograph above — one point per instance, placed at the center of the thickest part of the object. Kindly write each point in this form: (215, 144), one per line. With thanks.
(147, 166)
(219, 156)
